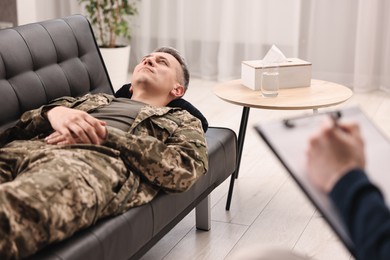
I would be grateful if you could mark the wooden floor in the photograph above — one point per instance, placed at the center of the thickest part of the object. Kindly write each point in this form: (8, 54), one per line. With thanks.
(268, 209)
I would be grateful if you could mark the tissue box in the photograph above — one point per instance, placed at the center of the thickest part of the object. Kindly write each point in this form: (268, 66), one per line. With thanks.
(293, 73)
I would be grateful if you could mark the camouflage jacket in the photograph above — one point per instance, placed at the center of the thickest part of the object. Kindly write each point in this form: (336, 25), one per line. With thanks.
(165, 147)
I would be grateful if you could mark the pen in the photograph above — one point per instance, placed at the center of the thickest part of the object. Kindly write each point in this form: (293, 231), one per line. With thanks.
(335, 116)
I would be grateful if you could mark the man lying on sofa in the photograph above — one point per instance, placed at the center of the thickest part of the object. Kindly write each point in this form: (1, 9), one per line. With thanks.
(82, 159)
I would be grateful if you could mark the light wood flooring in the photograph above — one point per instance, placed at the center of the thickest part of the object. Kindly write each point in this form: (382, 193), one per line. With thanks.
(268, 209)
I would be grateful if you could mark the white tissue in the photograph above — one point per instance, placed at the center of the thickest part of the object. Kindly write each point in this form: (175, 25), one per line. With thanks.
(274, 55)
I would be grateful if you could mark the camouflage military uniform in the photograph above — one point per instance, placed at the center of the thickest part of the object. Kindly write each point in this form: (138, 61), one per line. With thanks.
(48, 192)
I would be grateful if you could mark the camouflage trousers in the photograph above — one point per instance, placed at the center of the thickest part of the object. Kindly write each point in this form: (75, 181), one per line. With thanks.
(48, 192)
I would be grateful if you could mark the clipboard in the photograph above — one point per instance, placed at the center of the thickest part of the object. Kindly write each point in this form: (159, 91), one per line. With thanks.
(288, 139)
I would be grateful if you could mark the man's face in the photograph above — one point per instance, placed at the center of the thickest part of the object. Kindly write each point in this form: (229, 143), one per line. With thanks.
(157, 73)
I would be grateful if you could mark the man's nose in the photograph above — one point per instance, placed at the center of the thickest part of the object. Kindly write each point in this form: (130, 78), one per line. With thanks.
(149, 61)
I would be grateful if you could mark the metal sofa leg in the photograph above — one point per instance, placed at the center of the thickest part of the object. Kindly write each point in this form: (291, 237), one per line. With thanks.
(203, 214)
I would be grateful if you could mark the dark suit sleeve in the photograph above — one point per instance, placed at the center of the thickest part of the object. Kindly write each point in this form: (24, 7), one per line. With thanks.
(365, 214)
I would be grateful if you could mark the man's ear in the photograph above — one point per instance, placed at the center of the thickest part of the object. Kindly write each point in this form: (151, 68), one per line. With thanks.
(178, 91)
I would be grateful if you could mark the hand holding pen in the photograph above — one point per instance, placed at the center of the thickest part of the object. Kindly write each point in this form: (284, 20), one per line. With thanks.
(334, 150)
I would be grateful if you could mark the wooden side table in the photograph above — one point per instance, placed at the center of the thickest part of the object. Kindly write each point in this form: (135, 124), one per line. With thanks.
(319, 94)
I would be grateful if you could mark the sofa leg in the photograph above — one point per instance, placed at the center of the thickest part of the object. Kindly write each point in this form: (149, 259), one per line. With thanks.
(203, 214)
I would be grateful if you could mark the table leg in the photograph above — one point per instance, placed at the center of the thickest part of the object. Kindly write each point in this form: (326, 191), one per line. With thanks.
(240, 145)
(241, 137)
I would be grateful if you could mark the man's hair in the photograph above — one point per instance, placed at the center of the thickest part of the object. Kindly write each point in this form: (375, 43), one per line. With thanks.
(181, 60)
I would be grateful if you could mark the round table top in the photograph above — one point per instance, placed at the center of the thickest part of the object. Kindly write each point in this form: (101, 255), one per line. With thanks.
(319, 94)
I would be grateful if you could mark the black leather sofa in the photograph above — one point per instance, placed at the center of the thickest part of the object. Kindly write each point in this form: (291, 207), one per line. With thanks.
(46, 60)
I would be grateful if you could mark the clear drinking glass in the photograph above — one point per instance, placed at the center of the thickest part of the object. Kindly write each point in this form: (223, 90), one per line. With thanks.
(270, 80)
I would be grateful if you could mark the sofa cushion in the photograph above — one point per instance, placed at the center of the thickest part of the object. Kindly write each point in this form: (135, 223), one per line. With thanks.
(35, 57)
(112, 238)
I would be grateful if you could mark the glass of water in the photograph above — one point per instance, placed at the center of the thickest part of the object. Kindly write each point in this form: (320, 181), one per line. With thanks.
(270, 80)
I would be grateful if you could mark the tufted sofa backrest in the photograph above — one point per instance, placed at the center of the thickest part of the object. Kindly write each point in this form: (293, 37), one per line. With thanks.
(43, 61)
